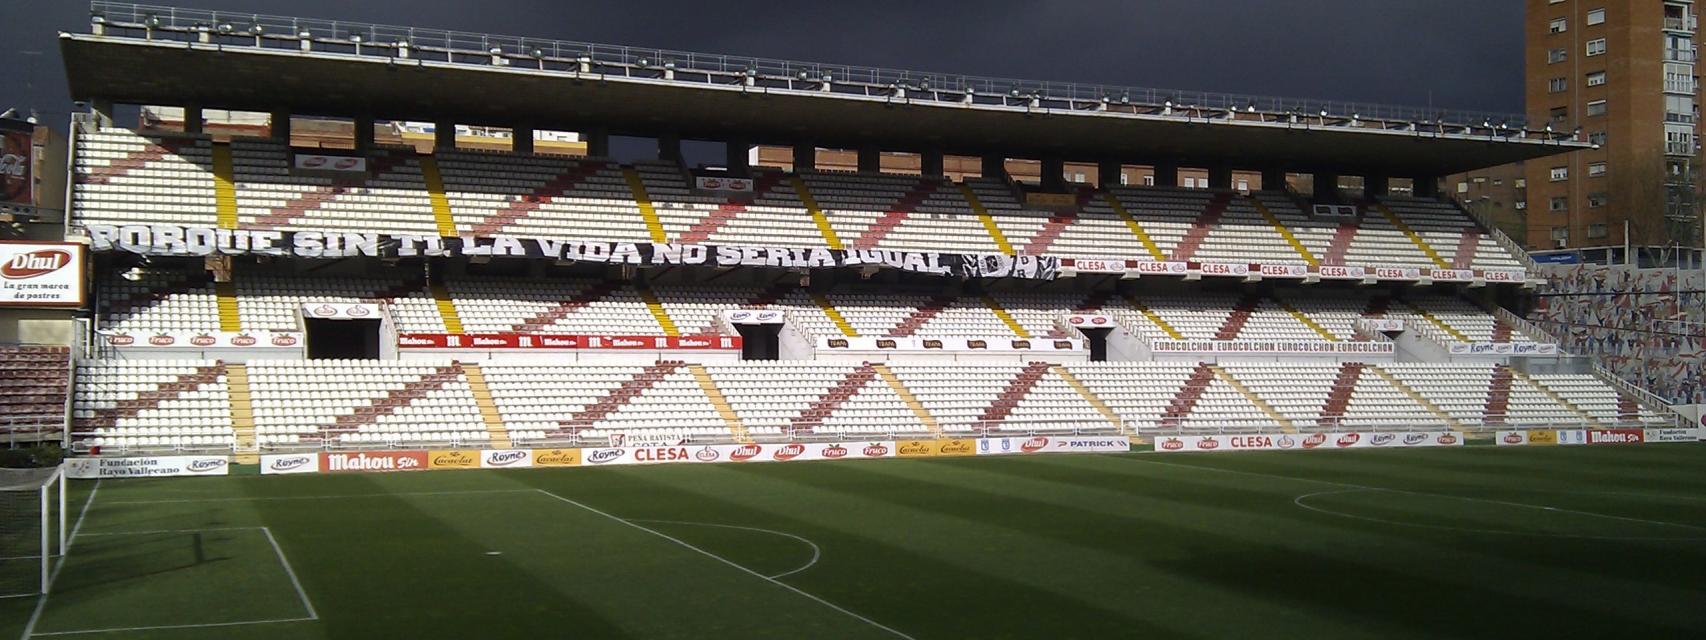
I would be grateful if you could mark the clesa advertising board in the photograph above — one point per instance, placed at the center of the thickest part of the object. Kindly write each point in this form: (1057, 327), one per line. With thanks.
(1314, 441)
(41, 274)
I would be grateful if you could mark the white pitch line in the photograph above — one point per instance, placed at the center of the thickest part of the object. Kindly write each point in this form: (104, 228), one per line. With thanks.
(1300, 501)
(171, 626)
(327, 497)
(292, 573)
(149, 532)
(35, 616)
(731, 563)
(1434, 495)
(816, 552)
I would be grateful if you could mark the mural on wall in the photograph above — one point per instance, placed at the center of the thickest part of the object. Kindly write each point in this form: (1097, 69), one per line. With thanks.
(1647, 325)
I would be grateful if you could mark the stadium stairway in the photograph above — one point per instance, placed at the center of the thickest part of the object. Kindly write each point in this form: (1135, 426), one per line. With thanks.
(1187, 396)
(1154, 318)
(1556, 397)
(446, 307)
(911, 401)
(1467, 245)
(242, 415)
(1415, 238)
(1342, 238)
(1415, 396)
(567, 307)
(1236, 320)
(829, 311)
(436, 196)
(988, 220)
(896, 214)
(1499, 395)
(1091, 398)
(224, 186)
(520, 208)
(495, 428)
(1005, 317)
(1284, 232)
(1015, 391)
(1268, 409)
(824, 228)
(825, 405)
(1344, 385)
(621, 395)
(1135, 227)
(395, 399)
(730, 418)
(919, 318)
(1205, 224)
(648, 211)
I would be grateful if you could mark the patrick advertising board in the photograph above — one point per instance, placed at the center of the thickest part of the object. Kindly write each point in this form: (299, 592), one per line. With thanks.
(1308, 442)
(1053, 444)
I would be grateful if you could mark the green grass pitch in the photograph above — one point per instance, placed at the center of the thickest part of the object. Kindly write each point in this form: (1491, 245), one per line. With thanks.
(1474, 542)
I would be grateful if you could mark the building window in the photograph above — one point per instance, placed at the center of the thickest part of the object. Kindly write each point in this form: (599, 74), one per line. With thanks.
(1596, 200)
(1559, 25)
(1596, 16)
(1561, 236)
(1124, 179)
(1679, 78)
(1522, 183)
(1557, 85)
(1596, 108)
(1148, 181)
(1520, 205)
(1560, 174)
(1559, 115)
(1596, 78)
(1596, 231)
(1596, 46)
(1463, 187)
(1243, 185)
(1560, 203)
(1597, 137)
(1596, 169)
(1555, 56)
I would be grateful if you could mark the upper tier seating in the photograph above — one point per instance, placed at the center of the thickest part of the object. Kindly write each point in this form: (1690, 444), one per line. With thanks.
(124, 177)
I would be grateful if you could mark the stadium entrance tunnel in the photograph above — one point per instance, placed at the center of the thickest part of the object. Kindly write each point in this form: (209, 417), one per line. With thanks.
(1589, 516)
(1097, 341)
(760, 341)
(327, 339)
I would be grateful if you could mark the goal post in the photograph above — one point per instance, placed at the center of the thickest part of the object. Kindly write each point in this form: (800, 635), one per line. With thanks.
(32, 520)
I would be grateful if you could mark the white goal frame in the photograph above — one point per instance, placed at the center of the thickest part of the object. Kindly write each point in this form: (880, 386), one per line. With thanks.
(45, 490)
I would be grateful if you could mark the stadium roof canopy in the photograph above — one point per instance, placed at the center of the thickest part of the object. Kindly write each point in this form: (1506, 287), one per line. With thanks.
(241, 61)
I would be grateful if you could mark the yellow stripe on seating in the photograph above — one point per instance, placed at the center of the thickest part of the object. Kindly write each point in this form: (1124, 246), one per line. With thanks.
(1284, 232)
(1415, 396)
(1090, 397)
(644, 200)
(911, 401)
(834, 315)
(1307, 321)
(224, 185)
(1437, 322)
(658, 312)
(995, 307)
(818, 217)
(230, 316)
(1154, 318)
(1272, 413)
(1136, 229)
(988, 220)
(435, 192)
(1415, 238)
(446, 308)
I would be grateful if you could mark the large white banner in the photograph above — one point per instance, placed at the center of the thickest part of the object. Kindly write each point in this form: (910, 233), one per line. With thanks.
(737, 453)
(41, 274)
(285, 463)
(1675, 435)
(1300, 442)
(1053, 444)
(157, 466)
(1269, 346)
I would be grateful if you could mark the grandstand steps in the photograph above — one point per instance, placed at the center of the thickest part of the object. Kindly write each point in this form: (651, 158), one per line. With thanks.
(1135, 227)
(153, 398)
(632, 388)
(846, 388)
(224, 186)
(446, 307)
(565, 308)
(1415, 238)
(1501, 331)
(1091, 398)
(911, 401)
(230, 319)
(1344, 386)
(1628, 410)
(824, 228)
(983, 215)
(1284, 232)
(1154, 318)
(1267, 409)
(1308, 321)
(441, 216)
(1016, 390)
(1341, 244)
(922, 316)
(518, 209)
(1499, 395)
(1185, 399)
(1006, 318)
(737, 430)
(1467, 245)
(1415, 396)
(1556, 397)
(1236, 320)
(1201, 227)
(495, 429)
(658, 312)
(829, 311)
(242, 414)
(896, 214)
(394, 399)
(637, 187)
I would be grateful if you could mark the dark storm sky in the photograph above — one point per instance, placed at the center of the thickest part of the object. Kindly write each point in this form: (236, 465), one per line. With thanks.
(1458, 54)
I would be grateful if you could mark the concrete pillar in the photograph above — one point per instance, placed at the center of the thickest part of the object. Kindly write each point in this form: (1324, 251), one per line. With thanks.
(443, 135)
(279, 126)
(870, 159)
(1220, 177)
(1425, 186)
(805, 156)
(1108, 173)
(521, 139)
(736, 156)
(1326, 185)
(1166, 174)
(669, 147)
(1053, 172)
(363, 133)
(1273, 180)
(597, 143)
(1375, 186)
(930, 163)
(103, 110)
(192, 119)
(994, 167)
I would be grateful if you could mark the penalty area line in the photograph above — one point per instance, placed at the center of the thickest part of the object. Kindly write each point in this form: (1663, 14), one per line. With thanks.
(731, 563)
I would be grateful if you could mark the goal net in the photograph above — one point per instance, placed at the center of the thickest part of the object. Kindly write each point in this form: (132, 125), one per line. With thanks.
(32, 522)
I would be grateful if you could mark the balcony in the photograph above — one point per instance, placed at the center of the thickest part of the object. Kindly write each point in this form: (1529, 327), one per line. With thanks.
(1679, 118)
(1680, 55)
(1688, 24)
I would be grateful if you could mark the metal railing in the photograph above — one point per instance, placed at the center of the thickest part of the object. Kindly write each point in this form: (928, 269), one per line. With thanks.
(545, 54)
(1646, 399)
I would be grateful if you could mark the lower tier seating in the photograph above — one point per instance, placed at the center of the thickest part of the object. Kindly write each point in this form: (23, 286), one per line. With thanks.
(32, 389)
